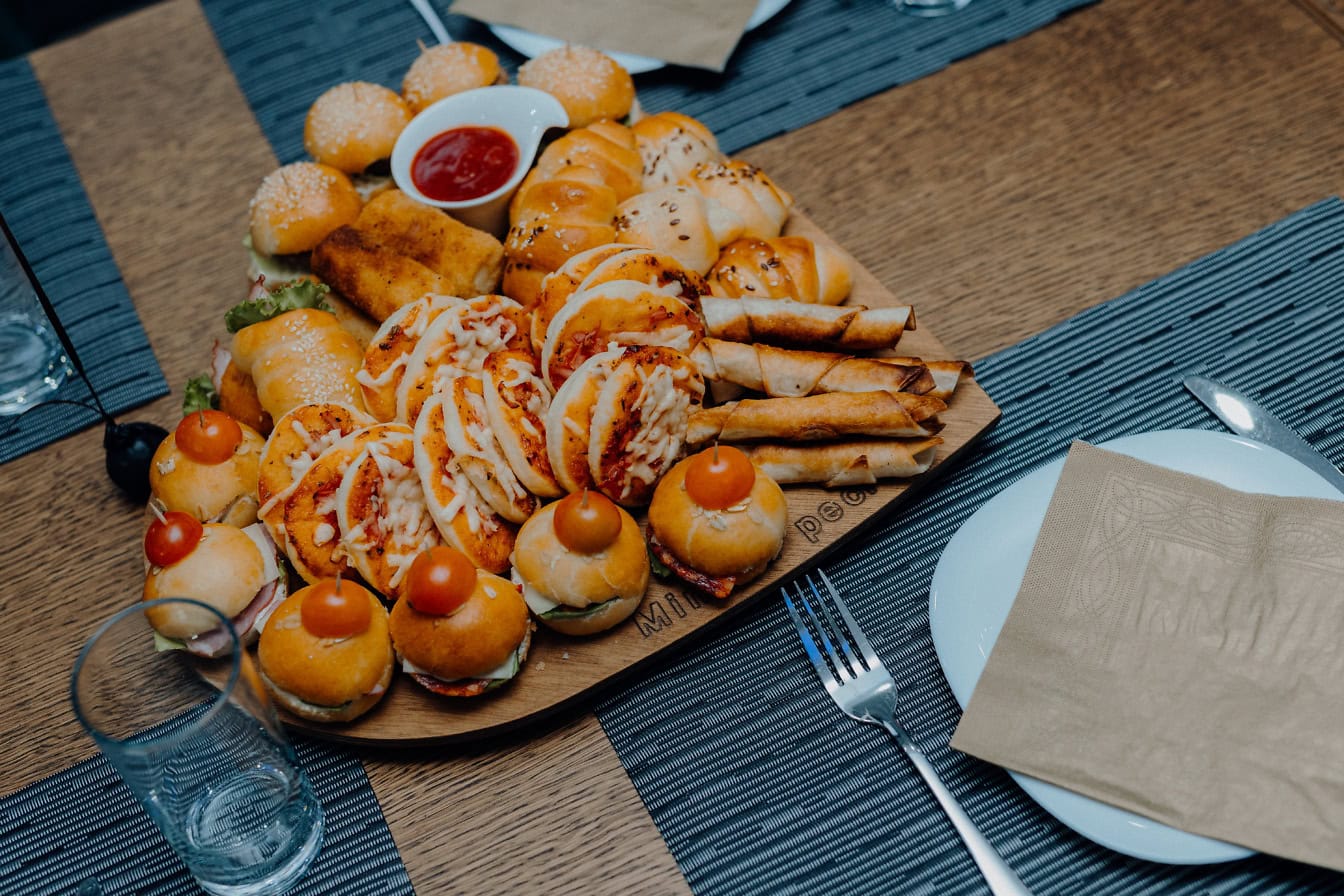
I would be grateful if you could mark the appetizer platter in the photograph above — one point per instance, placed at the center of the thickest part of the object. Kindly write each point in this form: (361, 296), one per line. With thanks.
(451, 479)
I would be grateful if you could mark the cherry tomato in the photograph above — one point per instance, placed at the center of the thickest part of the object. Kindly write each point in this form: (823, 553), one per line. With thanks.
(586, 522)
(336, 608)
(208, 437)
(440, 580)
(719, 477)
(174, 536)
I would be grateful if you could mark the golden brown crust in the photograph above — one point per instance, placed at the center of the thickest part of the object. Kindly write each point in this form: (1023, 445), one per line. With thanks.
(581, 580)
(474, 640)
(739, 543)
(782, 372)
(746, 190)
(327, 672)
(238, 398)
(783, 267)
(445, 69)
(784, 322)
(225, 492)
(352, 125)
(377, 281)
(226, 570)
(671, 144)
(588, 83)
(298, 205)
(550, 222)
(607, 147)
(470, 261)
(848, 463)
(302, 435)
(679, 222)
(818, 417)
(557, 286)
(300, 357)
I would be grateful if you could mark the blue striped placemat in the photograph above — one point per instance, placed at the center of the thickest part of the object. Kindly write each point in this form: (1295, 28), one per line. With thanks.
(812, 59)
(81, 832)
(772, 791)
(44, 202)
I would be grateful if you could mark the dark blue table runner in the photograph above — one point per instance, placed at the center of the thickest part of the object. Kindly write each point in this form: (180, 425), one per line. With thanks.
(46, 207)
(760, 786)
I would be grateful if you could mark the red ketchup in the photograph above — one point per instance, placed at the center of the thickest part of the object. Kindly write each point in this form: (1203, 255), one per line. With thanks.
(464, 163)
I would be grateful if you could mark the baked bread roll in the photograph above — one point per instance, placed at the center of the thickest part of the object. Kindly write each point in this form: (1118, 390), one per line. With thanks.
(679, 222)
(464, 518)
(550, 222)
(671, 145)
(716, 550)
(588, 83)
(619, 312)
(845, 464)
(745, 189)
(851, 328)
(578, 593)
(212, 493)
(299, 357)
(782, 372)
(376, 280)
(390, 349)
(325, 679)
(381, 511)
(606, 147)
(238, 397)
(298, 205)
(352, 125)
(814, 417)
(783, 267)
(445, 69)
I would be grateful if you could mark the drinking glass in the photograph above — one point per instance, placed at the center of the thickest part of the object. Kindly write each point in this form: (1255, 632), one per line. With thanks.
(929, 8)
(209, 763)
(32, 363)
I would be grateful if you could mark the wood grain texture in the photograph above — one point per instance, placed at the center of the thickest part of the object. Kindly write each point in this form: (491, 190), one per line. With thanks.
(999, 196)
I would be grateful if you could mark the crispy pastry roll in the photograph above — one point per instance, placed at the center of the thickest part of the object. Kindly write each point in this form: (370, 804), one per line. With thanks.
(817, 417)
(838, 464)
(780, 321)
(782, 372)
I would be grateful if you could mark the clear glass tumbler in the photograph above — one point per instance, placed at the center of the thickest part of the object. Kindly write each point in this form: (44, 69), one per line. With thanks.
(929, 8)
(210, 763)
(32, 363)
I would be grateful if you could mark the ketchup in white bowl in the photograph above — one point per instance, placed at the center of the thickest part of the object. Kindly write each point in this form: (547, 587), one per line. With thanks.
(464, 163)
(467, 153)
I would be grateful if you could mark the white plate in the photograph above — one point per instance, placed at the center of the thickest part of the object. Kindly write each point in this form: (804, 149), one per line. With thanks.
(531, 44)
(981, 569)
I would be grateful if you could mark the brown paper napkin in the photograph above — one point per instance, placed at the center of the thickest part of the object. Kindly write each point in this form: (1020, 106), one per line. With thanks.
(1177, 649)
(699, 33)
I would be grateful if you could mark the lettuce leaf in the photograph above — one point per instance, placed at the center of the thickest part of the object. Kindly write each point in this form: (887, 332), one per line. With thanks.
(199, 395)
(276, 268)
(162, 643)
(285, 297)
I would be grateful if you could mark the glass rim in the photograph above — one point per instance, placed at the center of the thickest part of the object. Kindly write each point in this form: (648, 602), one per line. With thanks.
(220, 699)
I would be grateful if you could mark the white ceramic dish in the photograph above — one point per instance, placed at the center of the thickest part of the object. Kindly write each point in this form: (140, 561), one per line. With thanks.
(531, 44)
(524, 113)
(981, 569)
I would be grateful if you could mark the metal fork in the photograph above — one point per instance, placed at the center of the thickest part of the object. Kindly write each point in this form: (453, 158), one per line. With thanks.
(863, 688)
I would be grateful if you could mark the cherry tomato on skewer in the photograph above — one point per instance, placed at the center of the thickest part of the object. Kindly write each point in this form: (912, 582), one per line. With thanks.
(719, 477)
(172, 537)
(336, 608)
(209, 437)
(586, 522)
(440, 580)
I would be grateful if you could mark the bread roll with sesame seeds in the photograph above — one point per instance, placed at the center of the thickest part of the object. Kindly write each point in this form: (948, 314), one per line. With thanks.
(679, 222)
(353, 125)
(298, 205)
(588, 83)
(607, 147)
(748, 191)
(445, 69)
(671, 145)
(552, 221)
(783, 267)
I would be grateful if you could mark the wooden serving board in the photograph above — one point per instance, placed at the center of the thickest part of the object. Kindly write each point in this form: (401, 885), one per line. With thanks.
(560, 670)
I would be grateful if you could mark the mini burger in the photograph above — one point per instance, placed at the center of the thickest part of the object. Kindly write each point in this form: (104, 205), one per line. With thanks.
(459, 631)
(717, 520)
(582, 564)
(325, 653)
(236, 571)
(207, 467)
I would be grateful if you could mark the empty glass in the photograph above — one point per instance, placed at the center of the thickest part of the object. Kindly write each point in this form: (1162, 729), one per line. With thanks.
(32, 363)
(210, 764)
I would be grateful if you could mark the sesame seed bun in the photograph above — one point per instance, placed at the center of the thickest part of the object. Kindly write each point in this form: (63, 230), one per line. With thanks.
(298, 205)
(325, 679)
(588, 83)
(224, 492)
(615, 577)
(225, 570)
(475, 639)
(445, 69)
(733, 543)
(353, 125)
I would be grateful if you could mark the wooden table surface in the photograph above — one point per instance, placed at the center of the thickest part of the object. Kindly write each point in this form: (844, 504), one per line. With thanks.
(999, 196)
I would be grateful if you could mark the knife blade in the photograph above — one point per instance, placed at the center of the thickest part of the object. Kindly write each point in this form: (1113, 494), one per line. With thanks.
(1245, 417)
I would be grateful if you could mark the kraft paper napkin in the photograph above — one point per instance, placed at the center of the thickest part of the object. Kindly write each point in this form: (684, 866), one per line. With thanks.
(1177, 649)
(699, 33)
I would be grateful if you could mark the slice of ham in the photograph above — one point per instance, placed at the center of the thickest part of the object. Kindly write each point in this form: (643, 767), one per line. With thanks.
(466, 687)
(215, 641)
(715, 587)
(220, 358)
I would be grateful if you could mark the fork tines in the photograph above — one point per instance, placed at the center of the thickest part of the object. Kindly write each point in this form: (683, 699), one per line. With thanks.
(844, 652)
